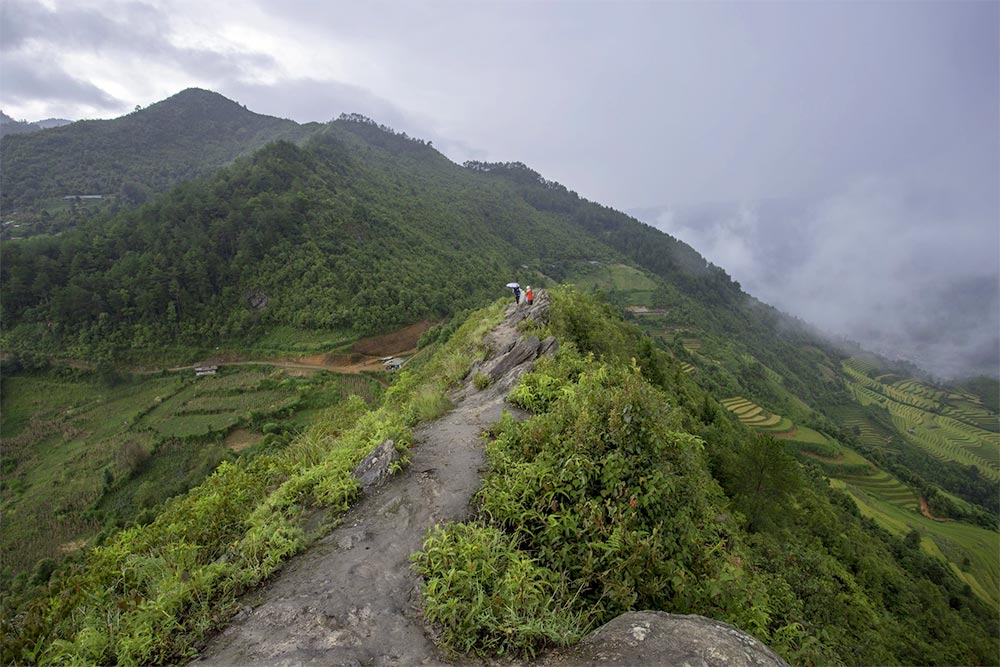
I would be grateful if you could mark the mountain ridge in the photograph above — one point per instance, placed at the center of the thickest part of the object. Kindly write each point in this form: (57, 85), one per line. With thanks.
(190, 134)
(360, 229)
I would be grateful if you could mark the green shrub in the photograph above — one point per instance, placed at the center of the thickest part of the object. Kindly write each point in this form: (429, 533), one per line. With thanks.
(603, 489)
(489, 597)
(481, 381)
(429, 403)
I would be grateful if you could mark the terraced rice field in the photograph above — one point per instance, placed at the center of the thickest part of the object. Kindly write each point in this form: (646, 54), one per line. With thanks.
(884, 486)
(972, 414)
(937, 428)
(213, 403)
(757, 417)
(687, 368)
(862, 365)
(692, 344)
(870, 435)
(951, 541)
(773, 375)
(920, 389)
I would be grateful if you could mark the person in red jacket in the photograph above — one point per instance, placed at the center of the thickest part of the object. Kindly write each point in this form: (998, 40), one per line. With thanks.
(529, 295)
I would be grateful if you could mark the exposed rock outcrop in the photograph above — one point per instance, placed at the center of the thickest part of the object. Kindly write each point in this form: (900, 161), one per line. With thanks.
(659, 639)
(510, 353)
(376, 467)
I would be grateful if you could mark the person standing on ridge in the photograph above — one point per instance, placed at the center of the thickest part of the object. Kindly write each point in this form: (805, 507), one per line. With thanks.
(517, 295)
(529, 295)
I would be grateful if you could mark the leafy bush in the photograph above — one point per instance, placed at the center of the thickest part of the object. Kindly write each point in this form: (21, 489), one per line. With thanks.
(490, 597)
(604, 490)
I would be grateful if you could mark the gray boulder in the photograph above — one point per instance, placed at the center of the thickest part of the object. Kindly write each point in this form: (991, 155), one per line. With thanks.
(659, 639)
(374, 469)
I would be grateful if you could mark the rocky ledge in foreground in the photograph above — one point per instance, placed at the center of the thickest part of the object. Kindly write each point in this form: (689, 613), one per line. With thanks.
(656, 638)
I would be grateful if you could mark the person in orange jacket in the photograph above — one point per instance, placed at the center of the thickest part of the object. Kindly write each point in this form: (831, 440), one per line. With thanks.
(529, 295)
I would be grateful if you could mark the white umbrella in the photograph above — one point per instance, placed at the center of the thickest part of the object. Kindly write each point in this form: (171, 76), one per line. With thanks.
(513, 284)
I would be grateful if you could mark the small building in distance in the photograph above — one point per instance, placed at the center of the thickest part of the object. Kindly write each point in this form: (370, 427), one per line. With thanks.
(391, 363)
(205, 370)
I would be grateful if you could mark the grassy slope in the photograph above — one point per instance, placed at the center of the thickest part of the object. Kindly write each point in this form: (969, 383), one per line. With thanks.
(80, 456)
(884, 497)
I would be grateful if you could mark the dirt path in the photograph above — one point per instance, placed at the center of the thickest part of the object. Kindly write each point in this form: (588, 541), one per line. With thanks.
(352, 599)
(304, 363)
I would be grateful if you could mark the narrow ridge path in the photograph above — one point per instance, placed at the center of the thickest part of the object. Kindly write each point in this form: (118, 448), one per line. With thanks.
(352, 599)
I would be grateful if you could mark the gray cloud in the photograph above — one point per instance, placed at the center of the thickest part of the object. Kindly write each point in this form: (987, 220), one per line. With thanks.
(316, 100)
(910, 274)
(32, 33)
(20, 81)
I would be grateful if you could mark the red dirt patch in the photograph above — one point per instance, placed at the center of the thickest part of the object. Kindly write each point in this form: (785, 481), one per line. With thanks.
(787, 434)
(393, 343)
(926, 510)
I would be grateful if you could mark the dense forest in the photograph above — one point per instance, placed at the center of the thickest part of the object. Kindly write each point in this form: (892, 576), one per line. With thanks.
(360, 228)
(129, 159)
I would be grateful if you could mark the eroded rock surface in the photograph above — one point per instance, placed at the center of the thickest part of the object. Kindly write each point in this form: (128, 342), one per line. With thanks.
(659, 639)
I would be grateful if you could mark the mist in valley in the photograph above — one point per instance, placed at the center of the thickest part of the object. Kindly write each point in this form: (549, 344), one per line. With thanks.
(903, 273)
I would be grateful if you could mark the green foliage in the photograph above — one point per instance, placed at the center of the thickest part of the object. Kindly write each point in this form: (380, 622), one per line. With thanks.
(150, 592)
(608, 487)
(489, 597)
(762, 480)
(322, 236)
(481, 381)
(603, 490)
(128, 159)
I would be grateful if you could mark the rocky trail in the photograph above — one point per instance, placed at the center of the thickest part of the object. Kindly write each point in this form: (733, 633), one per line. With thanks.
(352, 598)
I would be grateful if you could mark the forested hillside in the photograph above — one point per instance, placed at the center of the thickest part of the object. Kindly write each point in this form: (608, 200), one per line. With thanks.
(127, 160)
(360, 229)
(10, 126)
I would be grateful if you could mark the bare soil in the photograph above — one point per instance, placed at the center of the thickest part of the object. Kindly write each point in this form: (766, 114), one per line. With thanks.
(393, 343)
(926, 511)
(787, 434)
(240, 438)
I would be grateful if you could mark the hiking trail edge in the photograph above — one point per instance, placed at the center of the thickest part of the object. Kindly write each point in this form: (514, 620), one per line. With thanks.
(352, 598)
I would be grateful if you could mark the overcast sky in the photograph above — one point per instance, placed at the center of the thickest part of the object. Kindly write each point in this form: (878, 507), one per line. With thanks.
(840, 159)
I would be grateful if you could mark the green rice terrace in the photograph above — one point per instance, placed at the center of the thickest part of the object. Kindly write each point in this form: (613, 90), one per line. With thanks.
(970, 551)
(949, 427)
(82, 454)
(757, 417)
(627, 280)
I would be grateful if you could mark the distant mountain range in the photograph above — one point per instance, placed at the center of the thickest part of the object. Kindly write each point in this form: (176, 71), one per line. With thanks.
(10, 126)
(188, 135)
